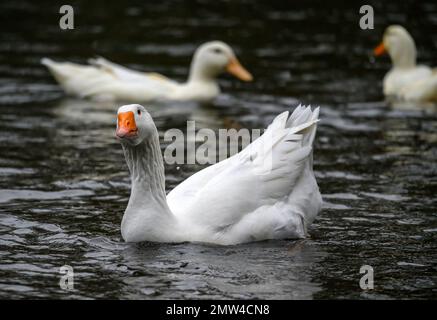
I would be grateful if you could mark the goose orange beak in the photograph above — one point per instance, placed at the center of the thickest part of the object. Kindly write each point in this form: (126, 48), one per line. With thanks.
(235, 68)
(126, 126)
(379, 50)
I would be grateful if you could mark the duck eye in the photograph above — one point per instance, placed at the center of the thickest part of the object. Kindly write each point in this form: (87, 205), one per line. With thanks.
(139, 112)
(217, 50)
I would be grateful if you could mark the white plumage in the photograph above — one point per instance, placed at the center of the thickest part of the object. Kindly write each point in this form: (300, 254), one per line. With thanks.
(267, 191)
(105, 80)
(406, 81)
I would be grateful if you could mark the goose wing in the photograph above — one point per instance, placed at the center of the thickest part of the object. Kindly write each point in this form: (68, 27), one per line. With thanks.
(263, 174)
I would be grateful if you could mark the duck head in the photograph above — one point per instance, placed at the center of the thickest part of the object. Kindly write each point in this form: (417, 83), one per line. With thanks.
(213, 58)
(400, 46)
(134, 125)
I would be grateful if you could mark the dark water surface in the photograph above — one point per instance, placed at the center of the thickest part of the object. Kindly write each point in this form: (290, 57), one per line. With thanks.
(64, 183)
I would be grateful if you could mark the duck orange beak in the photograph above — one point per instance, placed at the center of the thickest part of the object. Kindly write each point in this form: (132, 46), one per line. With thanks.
(235, 68)
(379, 50)
(126, 126)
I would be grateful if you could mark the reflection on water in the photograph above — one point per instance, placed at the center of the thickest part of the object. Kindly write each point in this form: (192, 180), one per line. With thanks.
(64, 183)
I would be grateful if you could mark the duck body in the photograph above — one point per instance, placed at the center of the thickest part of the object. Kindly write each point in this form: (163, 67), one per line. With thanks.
(105, 80)
(412, 84)
(267, 191)
(406, 81)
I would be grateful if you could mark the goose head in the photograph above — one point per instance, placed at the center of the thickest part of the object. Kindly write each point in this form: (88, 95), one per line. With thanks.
(400, 46)
(213, 58)
(134, 125)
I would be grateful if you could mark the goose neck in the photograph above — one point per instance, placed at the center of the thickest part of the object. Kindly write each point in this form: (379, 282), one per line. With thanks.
(147, 216)
(146, 167)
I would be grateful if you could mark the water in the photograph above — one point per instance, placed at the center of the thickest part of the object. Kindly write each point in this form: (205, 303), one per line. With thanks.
(64, 183)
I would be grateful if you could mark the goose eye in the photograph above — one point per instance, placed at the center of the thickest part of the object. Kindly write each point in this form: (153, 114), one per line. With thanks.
(139, 112)
(217, 50)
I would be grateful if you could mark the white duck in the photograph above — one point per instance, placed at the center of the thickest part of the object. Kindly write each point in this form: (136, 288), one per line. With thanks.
(406, 81)
(104, 80)
(267, 191)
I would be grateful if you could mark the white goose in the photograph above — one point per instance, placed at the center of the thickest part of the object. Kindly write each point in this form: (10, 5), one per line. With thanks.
(104, 80)
(406, 81)
(267, 191)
